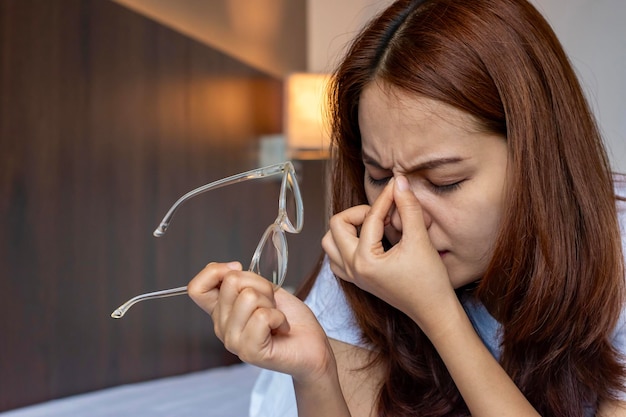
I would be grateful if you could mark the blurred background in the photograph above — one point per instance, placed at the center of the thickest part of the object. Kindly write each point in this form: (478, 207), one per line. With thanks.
(111, 110)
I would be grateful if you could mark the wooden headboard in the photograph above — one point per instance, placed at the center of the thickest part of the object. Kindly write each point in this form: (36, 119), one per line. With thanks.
(106, 118)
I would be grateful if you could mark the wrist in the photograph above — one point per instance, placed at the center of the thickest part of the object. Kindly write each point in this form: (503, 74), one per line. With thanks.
(323, 372)
(320, 394)
(444, 318)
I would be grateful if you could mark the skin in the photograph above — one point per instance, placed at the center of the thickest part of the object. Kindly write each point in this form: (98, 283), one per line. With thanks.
(456, 171)
(436, 185)
(272, 329)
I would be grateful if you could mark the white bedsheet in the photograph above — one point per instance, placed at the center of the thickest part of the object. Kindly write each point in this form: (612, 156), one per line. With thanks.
(218, 392)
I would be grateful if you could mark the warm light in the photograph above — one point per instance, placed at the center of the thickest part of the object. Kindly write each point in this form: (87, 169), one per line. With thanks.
(306, 127)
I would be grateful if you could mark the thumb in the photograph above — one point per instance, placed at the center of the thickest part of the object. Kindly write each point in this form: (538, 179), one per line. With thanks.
(408, 207)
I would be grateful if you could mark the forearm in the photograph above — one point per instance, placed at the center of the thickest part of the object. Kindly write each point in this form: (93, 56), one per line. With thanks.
(322, 397)
(485, 386)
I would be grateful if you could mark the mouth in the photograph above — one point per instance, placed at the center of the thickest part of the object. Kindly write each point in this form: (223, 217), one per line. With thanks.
(442, 253)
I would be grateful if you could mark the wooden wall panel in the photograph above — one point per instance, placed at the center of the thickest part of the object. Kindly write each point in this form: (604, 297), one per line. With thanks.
(106, 118)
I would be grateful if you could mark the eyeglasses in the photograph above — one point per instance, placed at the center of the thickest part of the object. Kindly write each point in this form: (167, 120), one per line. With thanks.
(270, 257)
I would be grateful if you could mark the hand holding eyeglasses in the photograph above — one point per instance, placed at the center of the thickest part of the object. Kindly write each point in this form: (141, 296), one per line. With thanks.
(421, 286)
(262, 324)
(271, 255)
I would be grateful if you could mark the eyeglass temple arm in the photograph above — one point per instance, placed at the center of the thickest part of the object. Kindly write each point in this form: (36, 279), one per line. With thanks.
(160, 231)
(244, 176)
(121, 310)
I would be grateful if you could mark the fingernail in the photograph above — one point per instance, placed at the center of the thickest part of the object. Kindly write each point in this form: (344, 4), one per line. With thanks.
(402, 183)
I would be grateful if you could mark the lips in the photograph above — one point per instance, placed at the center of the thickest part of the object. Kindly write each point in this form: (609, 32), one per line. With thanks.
(442, 252)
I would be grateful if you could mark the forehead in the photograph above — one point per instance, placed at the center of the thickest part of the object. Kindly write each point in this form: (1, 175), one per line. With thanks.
(408, 108)
(398, 124)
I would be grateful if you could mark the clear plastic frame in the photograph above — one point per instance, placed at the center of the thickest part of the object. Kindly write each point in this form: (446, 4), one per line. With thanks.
(271, 255)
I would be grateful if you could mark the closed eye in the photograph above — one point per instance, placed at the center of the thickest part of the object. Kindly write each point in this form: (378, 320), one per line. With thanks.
(378, 182)
(445, 188)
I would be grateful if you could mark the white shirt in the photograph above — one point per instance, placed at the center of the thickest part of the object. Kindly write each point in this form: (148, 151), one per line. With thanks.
(273, 393)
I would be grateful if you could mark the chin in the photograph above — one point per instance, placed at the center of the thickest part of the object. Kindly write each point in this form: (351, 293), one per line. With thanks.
(463, 280)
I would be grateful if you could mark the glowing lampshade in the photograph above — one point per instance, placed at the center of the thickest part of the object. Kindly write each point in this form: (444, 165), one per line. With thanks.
(305, 124)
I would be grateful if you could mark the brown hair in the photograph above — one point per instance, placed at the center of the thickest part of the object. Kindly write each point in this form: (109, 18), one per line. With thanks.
(555, 282)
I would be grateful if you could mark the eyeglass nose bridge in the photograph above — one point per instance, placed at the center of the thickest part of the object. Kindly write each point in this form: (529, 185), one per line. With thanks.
(276, 230)
(279, 243)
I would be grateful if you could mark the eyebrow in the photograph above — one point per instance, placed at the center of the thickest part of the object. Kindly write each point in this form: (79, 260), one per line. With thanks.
(423, 166)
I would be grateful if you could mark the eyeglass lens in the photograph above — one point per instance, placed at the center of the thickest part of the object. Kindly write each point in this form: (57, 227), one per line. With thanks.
(290, 200)
(270, 257)
(271, 261)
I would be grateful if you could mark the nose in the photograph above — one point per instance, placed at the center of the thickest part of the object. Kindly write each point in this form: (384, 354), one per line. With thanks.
(396, 221)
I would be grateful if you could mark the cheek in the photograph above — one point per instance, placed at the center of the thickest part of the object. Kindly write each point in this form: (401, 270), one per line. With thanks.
(481, 230)
(472, 244)
(371, 192)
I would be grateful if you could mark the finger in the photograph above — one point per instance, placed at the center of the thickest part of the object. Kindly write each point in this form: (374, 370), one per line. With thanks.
(373, 228)
(328, 244)
(349, 221)
(233, 284)
(255, 343)
(271, 319)
(409, 209)
(230, 327)
(203, 289)
(330, 248)
(344, 228)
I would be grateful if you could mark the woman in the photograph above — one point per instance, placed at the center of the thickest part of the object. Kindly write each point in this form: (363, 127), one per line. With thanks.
(475, 233)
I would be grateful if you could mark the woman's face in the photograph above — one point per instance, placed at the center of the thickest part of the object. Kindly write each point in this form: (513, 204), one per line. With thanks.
(456, 170)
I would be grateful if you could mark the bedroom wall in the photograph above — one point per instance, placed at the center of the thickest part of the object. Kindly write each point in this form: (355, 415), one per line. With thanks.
(593, 34)
(106, 118)
(591, 31)
(267, 34)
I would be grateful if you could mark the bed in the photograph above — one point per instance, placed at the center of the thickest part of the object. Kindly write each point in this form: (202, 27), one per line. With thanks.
(218, 392)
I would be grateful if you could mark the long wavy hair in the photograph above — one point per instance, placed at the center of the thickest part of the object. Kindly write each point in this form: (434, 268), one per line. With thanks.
(555, 282)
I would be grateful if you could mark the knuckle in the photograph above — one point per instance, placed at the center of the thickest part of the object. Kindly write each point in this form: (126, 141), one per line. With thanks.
(194, 288)
(326, 238)
(232, 340)
(335, 221)
(268, 289)
(249, 295)
(230, 280)
(230, 344)
(218, 330)
(263, 315)
(264, 287)
(332, 223)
